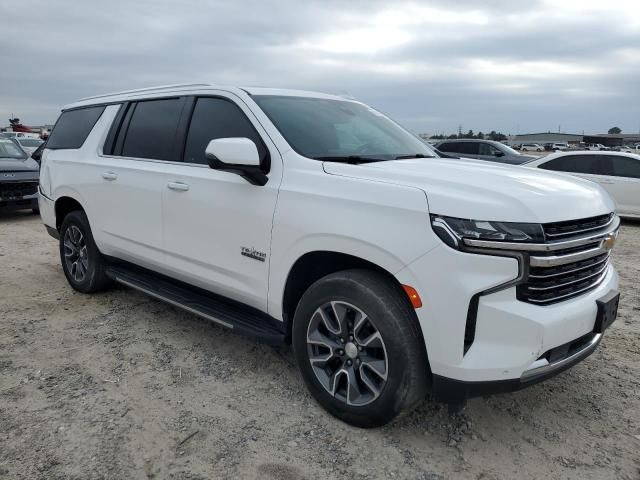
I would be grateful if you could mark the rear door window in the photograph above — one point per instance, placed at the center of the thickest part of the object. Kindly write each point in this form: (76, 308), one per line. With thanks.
(589, 164)
(215, 118)
(151, 132)
(624, 166)
(73, 128)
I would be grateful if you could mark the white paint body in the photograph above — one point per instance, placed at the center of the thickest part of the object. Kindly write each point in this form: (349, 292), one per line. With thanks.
(624, 190)
(378, 212)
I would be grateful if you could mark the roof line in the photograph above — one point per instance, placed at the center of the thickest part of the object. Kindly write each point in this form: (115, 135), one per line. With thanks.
(148, 89)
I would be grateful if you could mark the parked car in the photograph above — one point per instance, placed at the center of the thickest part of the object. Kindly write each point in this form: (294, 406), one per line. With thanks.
(315, 220)
(28, 144)
(596, 147)
(531, 147)
(617, 172)
(624, 149)
(482, 150)
(560, 146)
(18, 178)
(17, 135)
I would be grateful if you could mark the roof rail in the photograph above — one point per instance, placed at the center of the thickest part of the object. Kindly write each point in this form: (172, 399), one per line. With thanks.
(148, 89)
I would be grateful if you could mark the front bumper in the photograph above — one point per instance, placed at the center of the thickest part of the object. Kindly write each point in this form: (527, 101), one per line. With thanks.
(510, 335)
(448, 390)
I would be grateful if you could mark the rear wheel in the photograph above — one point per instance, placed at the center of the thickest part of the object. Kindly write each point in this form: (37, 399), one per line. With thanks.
(82, 262)
(358, 345)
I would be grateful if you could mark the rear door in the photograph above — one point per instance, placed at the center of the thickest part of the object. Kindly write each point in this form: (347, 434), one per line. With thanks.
(217, 226)
(621, 178)
(140, 144)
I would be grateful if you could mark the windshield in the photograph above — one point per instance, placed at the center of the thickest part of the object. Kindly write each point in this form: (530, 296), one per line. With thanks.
(8, 149)
(29, 142)
(324, 129)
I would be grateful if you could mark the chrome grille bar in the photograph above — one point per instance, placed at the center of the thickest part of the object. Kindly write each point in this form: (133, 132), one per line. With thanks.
(550, 275)
(566, 284)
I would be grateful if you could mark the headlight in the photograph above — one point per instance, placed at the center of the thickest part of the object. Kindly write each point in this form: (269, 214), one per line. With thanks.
(452, 231)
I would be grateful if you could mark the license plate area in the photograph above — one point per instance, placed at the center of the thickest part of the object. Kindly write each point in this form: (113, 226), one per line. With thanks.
(607, 311)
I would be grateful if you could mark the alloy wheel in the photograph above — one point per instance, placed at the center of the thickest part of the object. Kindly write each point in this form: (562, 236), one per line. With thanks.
(347, 353)
(75, 253)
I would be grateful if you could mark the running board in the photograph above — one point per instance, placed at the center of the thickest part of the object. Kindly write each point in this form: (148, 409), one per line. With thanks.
(220, 310)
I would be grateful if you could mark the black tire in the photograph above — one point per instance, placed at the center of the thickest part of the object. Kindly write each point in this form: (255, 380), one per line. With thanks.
(388, 308)
(90, 263)
(35, 211)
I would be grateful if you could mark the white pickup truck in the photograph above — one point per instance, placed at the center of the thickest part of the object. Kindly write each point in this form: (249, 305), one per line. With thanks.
(313, 220)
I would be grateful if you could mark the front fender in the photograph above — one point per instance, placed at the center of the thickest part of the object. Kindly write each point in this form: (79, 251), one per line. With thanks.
(384, 224)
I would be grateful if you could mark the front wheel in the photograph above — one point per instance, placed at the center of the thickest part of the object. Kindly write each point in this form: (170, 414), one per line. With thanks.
(81, 260)
(359, 347)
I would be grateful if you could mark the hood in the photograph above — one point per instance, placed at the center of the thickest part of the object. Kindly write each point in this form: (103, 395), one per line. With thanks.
(488, 191)
(18, 165)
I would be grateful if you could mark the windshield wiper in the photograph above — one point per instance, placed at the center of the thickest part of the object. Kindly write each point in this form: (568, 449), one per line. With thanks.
(352, 159)
(414, 155)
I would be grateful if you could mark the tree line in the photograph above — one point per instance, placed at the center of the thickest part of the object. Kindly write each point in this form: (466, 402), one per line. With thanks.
(492, 135)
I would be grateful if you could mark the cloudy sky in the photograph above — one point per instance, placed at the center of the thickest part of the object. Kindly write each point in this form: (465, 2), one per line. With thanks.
(512, 66)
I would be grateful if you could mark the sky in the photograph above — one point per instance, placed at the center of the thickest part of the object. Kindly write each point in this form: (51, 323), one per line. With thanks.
(510, 66)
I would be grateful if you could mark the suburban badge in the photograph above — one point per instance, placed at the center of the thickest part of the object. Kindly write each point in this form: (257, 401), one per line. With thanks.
(253, 253)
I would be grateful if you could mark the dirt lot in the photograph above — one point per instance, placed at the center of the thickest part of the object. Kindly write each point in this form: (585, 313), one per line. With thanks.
(118, 385)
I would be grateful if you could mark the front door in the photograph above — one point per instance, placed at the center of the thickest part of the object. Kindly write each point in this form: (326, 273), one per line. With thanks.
(217, 226)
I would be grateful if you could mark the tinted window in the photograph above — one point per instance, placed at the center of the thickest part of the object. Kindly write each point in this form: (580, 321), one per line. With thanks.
(152, 130)
(73, 127)
(449, 147)
(469, 148)
(625, 166)
(591, 164)
(219, 118)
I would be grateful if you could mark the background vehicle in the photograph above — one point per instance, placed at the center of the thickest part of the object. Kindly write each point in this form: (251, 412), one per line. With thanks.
(531, 147)
(482, 150)
(18, 178)
(28, 144)
(617, 172)
(19, 135)
(313, 219)
(596, 147)
(556, 146)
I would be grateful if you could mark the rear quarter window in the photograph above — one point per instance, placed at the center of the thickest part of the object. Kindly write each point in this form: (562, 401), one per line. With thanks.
(73, 128)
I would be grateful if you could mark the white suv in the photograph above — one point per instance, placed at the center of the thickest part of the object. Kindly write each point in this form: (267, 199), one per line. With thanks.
(314, 220)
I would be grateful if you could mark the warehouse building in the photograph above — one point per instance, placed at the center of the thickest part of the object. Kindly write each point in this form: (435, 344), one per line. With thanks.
(549, 137)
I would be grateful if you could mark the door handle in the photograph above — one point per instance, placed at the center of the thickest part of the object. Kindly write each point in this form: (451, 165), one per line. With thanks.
(110, 176)
(179, 186)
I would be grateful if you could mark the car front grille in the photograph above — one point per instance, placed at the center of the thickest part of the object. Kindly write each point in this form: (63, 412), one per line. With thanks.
(558, 230)
(14, 190)
(576, 261)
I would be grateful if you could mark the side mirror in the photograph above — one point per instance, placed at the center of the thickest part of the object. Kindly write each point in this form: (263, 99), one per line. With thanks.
(236, 155)
(498, 154)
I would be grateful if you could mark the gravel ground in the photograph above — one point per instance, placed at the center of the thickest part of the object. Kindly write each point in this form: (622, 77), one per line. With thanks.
(118, 385)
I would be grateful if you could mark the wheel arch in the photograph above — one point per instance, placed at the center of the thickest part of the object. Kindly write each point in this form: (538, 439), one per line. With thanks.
(314, 265)
(63, 206)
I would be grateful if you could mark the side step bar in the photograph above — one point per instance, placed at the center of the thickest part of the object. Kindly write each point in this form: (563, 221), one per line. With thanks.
(228, 313)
